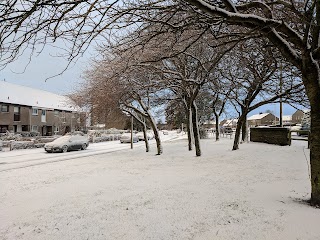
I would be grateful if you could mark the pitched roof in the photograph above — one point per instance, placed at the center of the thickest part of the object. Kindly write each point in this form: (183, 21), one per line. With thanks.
(17, 94)
(258, 116)
(230, 122)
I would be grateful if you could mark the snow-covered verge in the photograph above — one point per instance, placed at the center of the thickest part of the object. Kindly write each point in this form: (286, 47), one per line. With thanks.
(257, 192)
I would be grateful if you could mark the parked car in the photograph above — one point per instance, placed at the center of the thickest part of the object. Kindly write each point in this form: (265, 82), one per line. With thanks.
(126, 138)
(165, 132)
(304, 130)
(141, 136)
(67, 142)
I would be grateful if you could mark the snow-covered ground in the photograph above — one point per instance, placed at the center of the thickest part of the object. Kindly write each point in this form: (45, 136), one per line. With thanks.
(10, 160)
(257, 192)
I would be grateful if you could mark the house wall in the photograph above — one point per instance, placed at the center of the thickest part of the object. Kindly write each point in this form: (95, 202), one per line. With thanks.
(255, 122)
(270, 119)
(6, 117)
(265, 121)
(297, 116)
(63, 121)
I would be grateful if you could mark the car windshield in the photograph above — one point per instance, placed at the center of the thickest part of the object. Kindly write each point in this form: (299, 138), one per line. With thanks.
(62, 139)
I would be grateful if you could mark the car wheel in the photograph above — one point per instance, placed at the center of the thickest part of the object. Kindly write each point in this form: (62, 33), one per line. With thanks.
(64, 149)
(49, 151)
(84, 146)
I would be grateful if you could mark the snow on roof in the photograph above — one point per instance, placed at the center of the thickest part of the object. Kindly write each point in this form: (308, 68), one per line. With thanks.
(209, 122)
(230, 122)
(258, 116)
(17, 94)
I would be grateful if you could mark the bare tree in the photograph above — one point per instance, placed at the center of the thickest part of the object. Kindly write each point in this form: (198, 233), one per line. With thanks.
(253, 76)
(291, 26)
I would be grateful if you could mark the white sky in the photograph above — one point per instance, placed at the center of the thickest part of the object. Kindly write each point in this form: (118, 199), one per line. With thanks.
(41, 68)
(46, 65)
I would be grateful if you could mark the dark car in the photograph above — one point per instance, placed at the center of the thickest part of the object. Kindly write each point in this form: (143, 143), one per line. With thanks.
(304, 130)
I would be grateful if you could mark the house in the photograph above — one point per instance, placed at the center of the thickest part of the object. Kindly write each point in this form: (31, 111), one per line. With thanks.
(229, 123)
(299, 115)
(25, 109)
(287, 119)
(209, 124)
(262, 119)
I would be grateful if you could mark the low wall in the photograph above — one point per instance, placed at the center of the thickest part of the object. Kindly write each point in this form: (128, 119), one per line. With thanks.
(272, 135)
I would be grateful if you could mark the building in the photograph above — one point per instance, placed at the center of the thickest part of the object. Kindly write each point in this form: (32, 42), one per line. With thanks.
(262, 119)
(24, 109)
(301, 115)
(287, 119)
(209, 124)
(229, 123)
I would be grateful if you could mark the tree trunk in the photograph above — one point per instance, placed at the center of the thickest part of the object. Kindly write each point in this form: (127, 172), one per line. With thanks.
(195, 128)
(244, 129)
(311, 80)
(217, 127)
(156, 134)
(237, 134)
(189, 129)
(315, 154)
(146, 137)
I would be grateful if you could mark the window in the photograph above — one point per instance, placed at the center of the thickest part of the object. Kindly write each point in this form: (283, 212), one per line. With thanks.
(56, 112)
(4, 128)
(4, 108)
(34, 129)
(16, 114)
(34, 111)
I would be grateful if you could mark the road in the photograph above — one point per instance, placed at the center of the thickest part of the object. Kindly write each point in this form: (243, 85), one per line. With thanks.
(32, 157)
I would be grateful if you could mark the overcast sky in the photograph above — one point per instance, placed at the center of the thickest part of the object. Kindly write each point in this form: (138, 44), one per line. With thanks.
(43, 67)
(46, 66)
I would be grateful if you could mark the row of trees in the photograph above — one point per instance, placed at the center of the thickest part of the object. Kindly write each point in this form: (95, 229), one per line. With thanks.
(243, 75)
(179, 48)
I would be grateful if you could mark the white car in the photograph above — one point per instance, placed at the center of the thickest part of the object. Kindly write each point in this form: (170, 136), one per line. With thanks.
(141, 136)
(126, 138)
(67, 142)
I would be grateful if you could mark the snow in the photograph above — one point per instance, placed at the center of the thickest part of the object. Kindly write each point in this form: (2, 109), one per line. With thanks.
(256, 192)
(258, 116)
(287, 118)
(16, 94)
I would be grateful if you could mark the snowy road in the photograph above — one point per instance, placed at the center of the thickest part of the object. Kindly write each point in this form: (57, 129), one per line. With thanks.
(32, 157)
